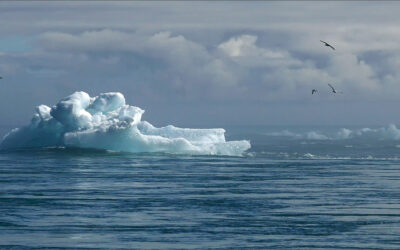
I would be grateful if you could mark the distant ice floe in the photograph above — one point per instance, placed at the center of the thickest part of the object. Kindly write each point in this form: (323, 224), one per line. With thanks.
(390, 132)
(106, 122)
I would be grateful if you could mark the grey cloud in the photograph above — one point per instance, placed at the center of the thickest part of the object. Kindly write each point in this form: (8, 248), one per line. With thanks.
(218, 59)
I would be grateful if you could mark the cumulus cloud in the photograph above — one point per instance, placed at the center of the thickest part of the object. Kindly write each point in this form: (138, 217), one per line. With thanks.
(173, 61)
(243, 50)
(232, 60)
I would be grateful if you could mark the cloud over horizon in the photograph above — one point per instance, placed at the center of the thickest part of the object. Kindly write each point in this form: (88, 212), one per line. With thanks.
(233, 72)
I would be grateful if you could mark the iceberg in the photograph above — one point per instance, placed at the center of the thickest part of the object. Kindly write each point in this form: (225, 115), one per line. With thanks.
(391, 132)
(107, 122)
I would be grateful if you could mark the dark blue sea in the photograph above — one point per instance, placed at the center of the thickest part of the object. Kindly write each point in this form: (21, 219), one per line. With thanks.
(296, 188)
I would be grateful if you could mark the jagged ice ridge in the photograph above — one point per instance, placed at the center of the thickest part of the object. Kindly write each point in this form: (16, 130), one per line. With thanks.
(107, 122)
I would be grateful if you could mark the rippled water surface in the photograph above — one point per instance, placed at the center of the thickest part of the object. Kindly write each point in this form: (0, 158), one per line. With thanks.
(289, 191)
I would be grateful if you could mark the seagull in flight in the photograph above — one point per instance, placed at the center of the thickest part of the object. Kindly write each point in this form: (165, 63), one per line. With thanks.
(333, 89)
(313, 91)
(328, 45)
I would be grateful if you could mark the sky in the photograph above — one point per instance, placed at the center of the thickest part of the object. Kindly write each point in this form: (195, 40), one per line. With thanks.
(206, 63)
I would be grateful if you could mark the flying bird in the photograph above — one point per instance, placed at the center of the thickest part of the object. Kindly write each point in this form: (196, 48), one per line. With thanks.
(313, 91)
(333, 89)
(1, 77)
(328, 45)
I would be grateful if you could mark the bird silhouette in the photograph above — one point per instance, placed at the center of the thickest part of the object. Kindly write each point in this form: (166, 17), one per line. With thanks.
(313, 91)
(334, 90)
(328, 45)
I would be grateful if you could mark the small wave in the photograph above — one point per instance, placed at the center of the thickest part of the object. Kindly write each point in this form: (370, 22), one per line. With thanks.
(308, 155)
(368, 157)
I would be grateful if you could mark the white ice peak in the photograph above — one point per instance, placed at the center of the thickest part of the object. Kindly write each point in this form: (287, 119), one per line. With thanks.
(107, 122)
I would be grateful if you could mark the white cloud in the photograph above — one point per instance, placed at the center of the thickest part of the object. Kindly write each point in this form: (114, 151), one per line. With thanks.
(164, 52)
(240, 67)
(239, 46)
(244, 51)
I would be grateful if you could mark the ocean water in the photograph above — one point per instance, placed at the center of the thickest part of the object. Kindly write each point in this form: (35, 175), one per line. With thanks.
(303, 188)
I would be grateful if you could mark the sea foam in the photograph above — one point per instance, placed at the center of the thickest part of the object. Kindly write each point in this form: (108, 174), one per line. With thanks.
(107, 122)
